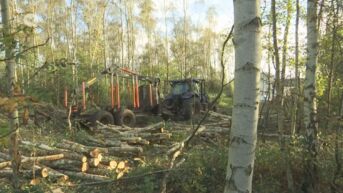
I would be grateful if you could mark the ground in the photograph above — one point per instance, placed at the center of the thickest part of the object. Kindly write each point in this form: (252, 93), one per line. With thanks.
(200, 168)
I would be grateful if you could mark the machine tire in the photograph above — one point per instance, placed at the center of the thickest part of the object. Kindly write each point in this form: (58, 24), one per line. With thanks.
(187, 109)
(214, 108)
(197, 106)
(168, 104)
(103, 117)
(156, 109)
(127, 117)
(191, 107)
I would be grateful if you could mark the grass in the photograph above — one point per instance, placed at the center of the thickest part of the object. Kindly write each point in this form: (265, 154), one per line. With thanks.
(225, 105)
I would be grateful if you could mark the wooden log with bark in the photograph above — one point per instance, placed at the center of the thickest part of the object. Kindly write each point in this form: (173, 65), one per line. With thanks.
(43, 149)
(5, 164)
(111, 162)
(85, 176)
(93, 162)
(43, 158)
(65, 164)
(101, 171)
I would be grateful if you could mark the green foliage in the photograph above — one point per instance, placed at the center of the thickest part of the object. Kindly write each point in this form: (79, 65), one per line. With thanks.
(203, 171)
(145, 184)
(4, 129)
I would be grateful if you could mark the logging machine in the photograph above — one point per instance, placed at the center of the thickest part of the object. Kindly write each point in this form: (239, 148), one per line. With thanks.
(187, 97)
(141, 96)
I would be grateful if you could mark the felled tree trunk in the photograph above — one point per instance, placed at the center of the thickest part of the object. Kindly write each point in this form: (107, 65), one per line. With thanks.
(85, 176)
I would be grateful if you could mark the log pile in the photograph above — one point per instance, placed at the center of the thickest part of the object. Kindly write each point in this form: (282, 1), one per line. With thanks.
(107, 152)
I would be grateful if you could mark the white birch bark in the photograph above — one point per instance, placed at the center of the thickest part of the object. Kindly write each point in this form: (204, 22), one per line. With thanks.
(309, 98)
(243, 136)
(13, 116)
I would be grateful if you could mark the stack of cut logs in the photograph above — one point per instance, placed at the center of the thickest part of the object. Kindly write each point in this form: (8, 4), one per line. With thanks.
(107, 154)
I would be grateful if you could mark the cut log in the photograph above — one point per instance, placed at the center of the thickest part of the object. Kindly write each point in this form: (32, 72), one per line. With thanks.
(157, 127)
(44, 172)
(101, 171)
(43, 149)
(93, 162)
(121, 165)
(53, 174)
(85, 176)
(5, 164)
(43, 158)
(35, 181)
(102, 166)
(113, 143)
(37, 145)
(95, 153)
(116, 150)
(100, 156)
(5, 156)
(125, 149)
(84, 167)
(110, 162)
(76, 147)
(65, 164)
(134, 141)
(157, 137)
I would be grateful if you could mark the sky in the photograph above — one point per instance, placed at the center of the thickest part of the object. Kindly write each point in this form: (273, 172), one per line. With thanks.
(197, 10)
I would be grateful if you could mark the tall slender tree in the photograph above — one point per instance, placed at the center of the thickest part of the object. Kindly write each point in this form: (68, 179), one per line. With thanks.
(148, 22)
(297, 82)
(284, 146)
(185, 31)
(332, 61)
(310, 108)
(11, 84)
(243, 136)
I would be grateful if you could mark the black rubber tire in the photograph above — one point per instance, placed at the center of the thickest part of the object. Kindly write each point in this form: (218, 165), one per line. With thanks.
(190, 107)
(168, 104)
(197, 106)
(103, 117)
(117, 118)
(127, 118)
(156, 109)
(214, 108)
(187, 109)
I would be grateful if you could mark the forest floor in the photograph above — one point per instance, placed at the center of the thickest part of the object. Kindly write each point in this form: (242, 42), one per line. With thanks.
(121, 159)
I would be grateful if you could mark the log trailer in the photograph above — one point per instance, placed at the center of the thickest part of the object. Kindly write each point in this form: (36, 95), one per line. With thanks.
(142, 91)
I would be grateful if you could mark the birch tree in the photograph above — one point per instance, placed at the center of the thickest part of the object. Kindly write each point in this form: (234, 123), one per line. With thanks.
(297, 82)
(243, 136)
(13, 116)
(310, 184)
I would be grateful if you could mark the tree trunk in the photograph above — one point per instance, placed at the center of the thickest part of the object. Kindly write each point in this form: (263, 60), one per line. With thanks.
(335, 187)
(245, 111)
(310, 109)
(183, 69)
(283, 145)
(331, 65)
(13, 116)
(297, 82)
(166, 42)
